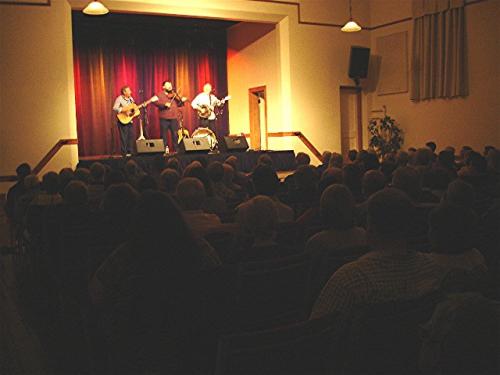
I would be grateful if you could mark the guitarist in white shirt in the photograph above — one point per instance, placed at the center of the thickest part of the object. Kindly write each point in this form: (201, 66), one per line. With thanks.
(205, 104)
(126, 131)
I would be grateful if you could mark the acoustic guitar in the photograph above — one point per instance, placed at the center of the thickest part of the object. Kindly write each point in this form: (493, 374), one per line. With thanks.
(133, 110)
(205, 110)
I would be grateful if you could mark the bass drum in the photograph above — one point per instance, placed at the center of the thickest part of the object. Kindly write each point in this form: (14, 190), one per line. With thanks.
(206, 133)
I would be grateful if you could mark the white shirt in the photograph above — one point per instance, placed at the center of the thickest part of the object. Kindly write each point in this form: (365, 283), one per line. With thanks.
(206, 99)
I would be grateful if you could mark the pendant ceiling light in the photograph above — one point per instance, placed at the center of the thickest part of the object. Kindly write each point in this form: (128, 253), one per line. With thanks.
(351, 26)
(95, 8)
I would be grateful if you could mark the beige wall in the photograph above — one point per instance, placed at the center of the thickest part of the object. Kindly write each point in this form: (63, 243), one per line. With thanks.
(304, 65)
(36, 85)
(470, 121)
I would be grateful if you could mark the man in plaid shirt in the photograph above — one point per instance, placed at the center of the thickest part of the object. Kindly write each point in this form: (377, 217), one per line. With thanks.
(389, 272)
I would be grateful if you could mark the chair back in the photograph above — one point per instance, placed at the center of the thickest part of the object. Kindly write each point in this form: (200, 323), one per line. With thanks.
(310, 347)
(272, 292)
(385, 338)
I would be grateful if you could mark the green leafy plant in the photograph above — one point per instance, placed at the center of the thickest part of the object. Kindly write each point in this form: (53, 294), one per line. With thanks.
(385, 135)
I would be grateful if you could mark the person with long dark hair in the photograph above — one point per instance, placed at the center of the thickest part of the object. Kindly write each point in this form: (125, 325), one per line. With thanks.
(151, 288)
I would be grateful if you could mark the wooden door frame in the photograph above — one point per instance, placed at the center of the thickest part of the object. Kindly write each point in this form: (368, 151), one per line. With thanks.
(358, 92)
(252, 91)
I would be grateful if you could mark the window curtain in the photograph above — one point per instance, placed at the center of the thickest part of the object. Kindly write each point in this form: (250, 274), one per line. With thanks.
(439, 63)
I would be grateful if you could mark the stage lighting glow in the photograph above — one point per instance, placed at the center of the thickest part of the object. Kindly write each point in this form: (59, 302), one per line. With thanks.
(95, 8)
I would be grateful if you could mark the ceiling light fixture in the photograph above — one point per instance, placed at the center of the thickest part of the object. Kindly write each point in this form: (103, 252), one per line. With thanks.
(95, 8)
(351, 26)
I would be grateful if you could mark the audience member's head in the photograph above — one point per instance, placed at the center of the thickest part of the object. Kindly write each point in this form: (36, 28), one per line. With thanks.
(302, 159)
(436, 178)
(156, 214)
(337, 207)
(146, 182)
(31, 182)
(258, 217)
(215, 171)
(407, 179)
(305, 177)
(233, 162)
(452, 229)
(265, 159)
(191, 194)
(82, 174)
(119, 200)
(97, 171)
(169, 179)
(446, 159)
(265, 181)
(493, 161)
(460, 193)
(65, 176)
(387, 167)
(202, 160)
(325, 157)
(372, 182)
(371, 161)
(423, 157)
(173, 163)
(336, 161)
(352, 155)
(431, 145)
(195, 169)
(333, 174)
(352, 178)
(76, 194)
(132, 168)
(114, 176)
(402, 158)
(50, 183)
(228, 175)
(389, 212)
(476, 163)
(22, 171)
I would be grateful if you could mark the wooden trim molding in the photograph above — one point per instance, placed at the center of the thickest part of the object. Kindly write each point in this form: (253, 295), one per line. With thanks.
(45, 160)
(45, 3)
(327, 24)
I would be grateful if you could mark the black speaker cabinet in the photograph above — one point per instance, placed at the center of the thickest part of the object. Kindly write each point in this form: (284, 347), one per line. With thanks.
(149, 146)
(234, 143)
(358, 62)
(191, 145)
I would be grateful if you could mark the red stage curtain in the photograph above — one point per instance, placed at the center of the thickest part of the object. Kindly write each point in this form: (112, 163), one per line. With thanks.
(102, 66)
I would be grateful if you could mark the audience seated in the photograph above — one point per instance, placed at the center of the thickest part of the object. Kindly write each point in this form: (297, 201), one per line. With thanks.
(191, 195)
(153, 292)
(389, 272)
(337, 209)
(162, 297)
(453, 233)
(169, 178)
(258, 219)
(266, 182)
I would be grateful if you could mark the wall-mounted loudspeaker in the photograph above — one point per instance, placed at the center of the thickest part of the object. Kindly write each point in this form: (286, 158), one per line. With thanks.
(149, 146)
(192, 145)
(358, 63)
(234, 143)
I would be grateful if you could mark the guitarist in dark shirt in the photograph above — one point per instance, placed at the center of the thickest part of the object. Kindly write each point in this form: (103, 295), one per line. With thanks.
(168, 105)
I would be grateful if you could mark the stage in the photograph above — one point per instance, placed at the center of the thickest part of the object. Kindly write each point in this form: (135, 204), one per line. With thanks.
(282, 160)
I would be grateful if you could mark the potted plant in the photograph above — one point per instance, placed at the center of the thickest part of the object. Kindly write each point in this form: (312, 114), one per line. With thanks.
(385, 135)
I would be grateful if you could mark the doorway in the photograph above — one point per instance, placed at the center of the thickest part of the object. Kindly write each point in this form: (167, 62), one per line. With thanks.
(258, 117)
(350, 119)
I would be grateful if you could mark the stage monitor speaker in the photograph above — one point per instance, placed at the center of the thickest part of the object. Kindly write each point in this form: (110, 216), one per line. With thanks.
(234, 143)
(150, 146)
(358, 62)
(192, 145)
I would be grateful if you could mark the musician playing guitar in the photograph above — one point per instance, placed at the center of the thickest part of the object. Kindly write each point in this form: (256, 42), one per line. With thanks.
(205, 104)
(168, 104)
(126, 131)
